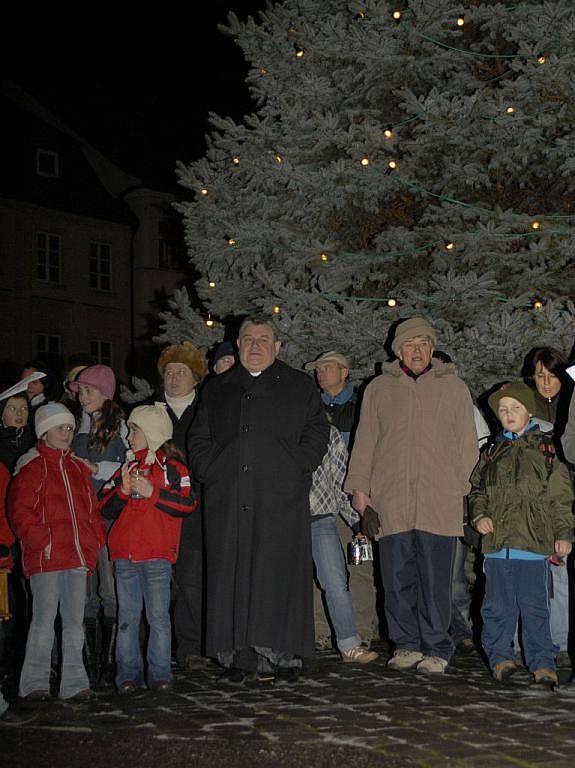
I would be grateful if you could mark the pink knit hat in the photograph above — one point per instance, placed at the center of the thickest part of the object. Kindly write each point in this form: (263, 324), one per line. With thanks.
(101, 377)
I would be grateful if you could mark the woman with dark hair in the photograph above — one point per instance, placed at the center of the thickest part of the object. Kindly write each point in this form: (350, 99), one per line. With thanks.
(544, 370)
(41, 391)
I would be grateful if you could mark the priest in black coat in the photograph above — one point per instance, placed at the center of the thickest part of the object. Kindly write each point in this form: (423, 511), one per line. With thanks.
(259, 433)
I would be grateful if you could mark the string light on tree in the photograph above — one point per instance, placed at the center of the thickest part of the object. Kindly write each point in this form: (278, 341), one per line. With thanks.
(364, 160)
(535, 225)
(538, 304)
(276, 309)
(299, 52)
(450, 245)
(391, 166)
(324, 256)
(209, 321)
(510, 110)
(541, 59)
(232, 241)
(203, 191)
(388, 133)
(278, 158)
(211, 284)
(392, 302)
(396, 15)
(236, 160)
(460, 21)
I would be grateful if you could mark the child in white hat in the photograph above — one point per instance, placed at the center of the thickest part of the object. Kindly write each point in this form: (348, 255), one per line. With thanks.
(147, 498)
(52, 506)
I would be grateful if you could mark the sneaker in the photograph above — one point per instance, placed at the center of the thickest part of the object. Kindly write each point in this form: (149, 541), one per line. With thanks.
(402, 659)
(432, 665)
(504, 669)
(545, 676)
(14, 717)
(163, 686)
(358, 655)
(127, 688)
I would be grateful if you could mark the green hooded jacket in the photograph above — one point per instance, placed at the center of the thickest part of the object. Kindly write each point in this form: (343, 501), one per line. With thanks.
(528, 498)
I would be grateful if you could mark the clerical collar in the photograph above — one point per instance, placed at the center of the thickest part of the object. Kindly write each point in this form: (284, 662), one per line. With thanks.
(410, 373)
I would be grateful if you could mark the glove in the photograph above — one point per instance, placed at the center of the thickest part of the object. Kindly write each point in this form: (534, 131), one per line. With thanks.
(370, 522)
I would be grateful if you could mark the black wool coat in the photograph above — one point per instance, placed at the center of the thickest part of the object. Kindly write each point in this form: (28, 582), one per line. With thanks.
(254, 444)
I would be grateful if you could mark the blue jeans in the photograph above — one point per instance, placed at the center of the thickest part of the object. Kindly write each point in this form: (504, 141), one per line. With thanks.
(66, 589)
(332, 577)
(143, 584)
(559, 607)
(516, 588)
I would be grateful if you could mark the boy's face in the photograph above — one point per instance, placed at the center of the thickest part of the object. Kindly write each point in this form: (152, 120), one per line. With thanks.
(59, 437)
(513, 415)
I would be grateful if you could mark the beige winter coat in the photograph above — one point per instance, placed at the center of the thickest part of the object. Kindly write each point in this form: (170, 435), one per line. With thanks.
(414, 450)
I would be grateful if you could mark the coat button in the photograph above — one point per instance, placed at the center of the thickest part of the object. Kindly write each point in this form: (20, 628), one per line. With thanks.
(244, 507)
(245, 468)
(246, 428)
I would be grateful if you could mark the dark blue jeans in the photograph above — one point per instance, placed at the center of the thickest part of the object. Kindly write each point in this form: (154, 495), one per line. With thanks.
(416, 574)
(146, 583)
(516, 588)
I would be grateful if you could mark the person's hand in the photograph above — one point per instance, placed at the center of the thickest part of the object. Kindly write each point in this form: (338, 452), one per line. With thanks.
(126, 487)
(562, 547)
(360, 501)
(141, 485)
(484, 525)
(370, 522)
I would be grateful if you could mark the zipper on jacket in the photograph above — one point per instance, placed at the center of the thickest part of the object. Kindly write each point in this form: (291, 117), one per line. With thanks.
(72, 512)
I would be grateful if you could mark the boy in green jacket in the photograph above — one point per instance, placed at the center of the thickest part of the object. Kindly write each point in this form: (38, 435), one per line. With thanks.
(521, 503)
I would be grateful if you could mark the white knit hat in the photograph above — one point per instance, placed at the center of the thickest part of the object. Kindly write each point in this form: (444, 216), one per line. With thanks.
(50, 416)
(156, 425)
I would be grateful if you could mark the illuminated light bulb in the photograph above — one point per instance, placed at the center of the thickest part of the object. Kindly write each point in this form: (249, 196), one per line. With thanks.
(541, 59)
(236, 160)
(299, 53)
(276, 310)
(397, 15)
(535, 225)
(364, 160)
(460, 21)
(392, 302)
(392, 164)
(209, 322)
(537, 304)
(324, 256)
(232, 241)
(212, 284)
(203, 191)
(278, 158)
(360, 15)
(388, 133)
(510, 110)
(450, 246)
(263, 71)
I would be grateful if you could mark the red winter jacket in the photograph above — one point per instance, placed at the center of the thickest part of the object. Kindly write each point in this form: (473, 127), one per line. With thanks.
(6, 535)
(52, 507)
(148, 529)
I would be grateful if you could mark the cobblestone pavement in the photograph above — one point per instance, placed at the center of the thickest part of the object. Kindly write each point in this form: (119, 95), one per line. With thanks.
(363, 716)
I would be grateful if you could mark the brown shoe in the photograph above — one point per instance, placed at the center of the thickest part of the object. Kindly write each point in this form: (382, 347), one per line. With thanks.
(503, 670)
(545, 676)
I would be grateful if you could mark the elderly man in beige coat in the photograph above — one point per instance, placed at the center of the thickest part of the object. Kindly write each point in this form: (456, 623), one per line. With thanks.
(414, 451)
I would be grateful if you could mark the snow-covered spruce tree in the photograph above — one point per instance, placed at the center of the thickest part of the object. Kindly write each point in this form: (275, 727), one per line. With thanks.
(418, 153)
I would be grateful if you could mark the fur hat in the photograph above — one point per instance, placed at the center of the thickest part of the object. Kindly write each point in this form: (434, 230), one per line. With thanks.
(156, 425)
(186, 353)
(50, 416)
(518, 391)
(328, 357)
(100, 377)
(408, 329)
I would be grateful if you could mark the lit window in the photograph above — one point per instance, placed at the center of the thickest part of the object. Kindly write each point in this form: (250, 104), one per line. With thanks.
(100, 266)
(48, 253)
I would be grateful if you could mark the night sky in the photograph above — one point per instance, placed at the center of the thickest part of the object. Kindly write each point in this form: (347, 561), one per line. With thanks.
(138, 89)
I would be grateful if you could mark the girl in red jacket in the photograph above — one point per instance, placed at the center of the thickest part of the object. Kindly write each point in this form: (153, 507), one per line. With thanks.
(148, 497)
(52, 506)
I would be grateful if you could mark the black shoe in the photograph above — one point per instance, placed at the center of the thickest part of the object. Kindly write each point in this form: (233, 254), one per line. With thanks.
(235, 676)
(287, 676)
(15, 717)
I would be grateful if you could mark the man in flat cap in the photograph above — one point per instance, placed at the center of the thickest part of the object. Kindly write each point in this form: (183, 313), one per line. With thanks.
(414, 451)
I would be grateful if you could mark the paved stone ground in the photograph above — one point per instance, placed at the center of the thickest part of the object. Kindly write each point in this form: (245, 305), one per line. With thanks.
(338, 714)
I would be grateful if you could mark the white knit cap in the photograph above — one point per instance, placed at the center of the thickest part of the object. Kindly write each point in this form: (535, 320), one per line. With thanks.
(155, 423)
(50, 416)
